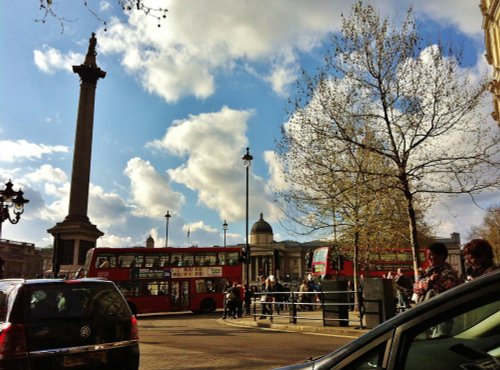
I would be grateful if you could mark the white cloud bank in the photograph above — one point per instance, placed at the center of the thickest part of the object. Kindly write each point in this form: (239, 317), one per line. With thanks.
(204, 140)
(16, 151)
(50, 60)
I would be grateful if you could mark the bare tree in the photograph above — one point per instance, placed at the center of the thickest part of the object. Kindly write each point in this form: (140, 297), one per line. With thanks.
(48, 11)
(418, 105)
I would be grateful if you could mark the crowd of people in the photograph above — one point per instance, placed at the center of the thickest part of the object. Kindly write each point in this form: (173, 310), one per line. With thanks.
(272, 297)
(438, 277)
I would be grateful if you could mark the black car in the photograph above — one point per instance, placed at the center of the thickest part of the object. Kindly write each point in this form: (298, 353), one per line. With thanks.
(66, 324)
(458, 329)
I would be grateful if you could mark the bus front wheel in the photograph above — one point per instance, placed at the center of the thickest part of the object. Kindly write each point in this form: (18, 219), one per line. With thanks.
(207, 306)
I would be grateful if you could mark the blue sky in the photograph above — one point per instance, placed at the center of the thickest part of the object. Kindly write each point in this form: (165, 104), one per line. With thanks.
(179, 105)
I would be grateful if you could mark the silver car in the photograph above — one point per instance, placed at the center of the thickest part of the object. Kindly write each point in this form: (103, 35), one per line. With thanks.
(458, 329)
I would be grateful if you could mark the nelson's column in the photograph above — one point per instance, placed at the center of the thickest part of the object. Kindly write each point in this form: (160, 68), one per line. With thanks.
(76, 235)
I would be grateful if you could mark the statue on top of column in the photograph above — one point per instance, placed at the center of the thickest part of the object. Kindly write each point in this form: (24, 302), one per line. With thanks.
(91, 53)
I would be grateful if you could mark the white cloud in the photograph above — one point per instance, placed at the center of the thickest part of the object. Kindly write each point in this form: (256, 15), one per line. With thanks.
(14, 151)
(460, 213)
(213, 144)
(114, 241)
(107, 209)
(47, 174)
(49, 60)
(203, 38)
(463, 14)
(104, 6)
(276, 179)
(151, 192)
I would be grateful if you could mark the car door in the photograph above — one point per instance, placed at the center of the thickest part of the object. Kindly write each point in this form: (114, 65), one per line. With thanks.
(460, 334)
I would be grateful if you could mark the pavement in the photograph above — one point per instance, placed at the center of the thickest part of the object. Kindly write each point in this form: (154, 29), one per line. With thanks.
(309, 322)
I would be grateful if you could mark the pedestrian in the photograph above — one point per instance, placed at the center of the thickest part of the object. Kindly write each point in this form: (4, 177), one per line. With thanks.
(265, 299)
(439, 276)
(279, 297)
(248, 295)
(234, 299)
(226, 291)
(404, 288)
(240, 293)
(479, 257)
(303, 296)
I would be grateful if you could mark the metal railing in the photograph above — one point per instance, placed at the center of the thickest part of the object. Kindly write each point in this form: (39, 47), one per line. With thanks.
(297, 306)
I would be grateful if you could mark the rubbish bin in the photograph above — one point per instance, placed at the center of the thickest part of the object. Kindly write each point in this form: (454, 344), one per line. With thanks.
(378, 301)
(335, 308)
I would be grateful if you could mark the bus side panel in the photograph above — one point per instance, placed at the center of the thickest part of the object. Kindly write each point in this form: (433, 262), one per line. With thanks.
(149, 304)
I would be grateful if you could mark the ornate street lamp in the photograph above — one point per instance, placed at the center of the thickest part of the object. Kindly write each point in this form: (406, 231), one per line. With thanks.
(247, 161)
(167, 216)
(224, 227)
(11, 199)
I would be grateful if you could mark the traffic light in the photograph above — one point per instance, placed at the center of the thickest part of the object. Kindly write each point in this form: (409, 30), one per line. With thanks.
(243, 256)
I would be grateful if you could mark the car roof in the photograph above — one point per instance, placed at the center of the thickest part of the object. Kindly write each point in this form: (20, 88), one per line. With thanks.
(55, 281)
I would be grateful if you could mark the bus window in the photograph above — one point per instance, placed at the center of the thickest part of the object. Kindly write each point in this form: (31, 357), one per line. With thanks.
(106, 261)
(187, 259)
(129, 288)
(182, 259)
(205, 259)
(200, 286)
(155, 260)
(404, 257)
(229, 258)
(162, 288)
(156, 288)
(176, 259)
(132, 260)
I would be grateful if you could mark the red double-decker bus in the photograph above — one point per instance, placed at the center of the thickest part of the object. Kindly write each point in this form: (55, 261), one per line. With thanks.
(326, 264)
(168, 279)
(384, 260)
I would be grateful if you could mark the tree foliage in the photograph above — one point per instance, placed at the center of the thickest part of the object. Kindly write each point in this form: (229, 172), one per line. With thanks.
(489, 229)
(403, 107)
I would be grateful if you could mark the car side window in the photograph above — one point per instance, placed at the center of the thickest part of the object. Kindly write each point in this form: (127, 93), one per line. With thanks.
(465, 340)
(370, 360)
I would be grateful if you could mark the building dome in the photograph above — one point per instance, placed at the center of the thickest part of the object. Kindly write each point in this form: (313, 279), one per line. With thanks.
(150, 242)
(261, 227)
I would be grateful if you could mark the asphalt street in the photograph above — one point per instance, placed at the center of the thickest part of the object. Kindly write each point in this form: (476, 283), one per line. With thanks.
(189, 341)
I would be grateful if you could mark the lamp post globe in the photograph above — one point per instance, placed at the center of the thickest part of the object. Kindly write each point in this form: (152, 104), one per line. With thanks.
(11, 199)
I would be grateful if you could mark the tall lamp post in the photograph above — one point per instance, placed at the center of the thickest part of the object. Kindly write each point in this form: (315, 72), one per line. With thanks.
(247, 161)
(167, 216)
(224, 227)
(11, 199)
